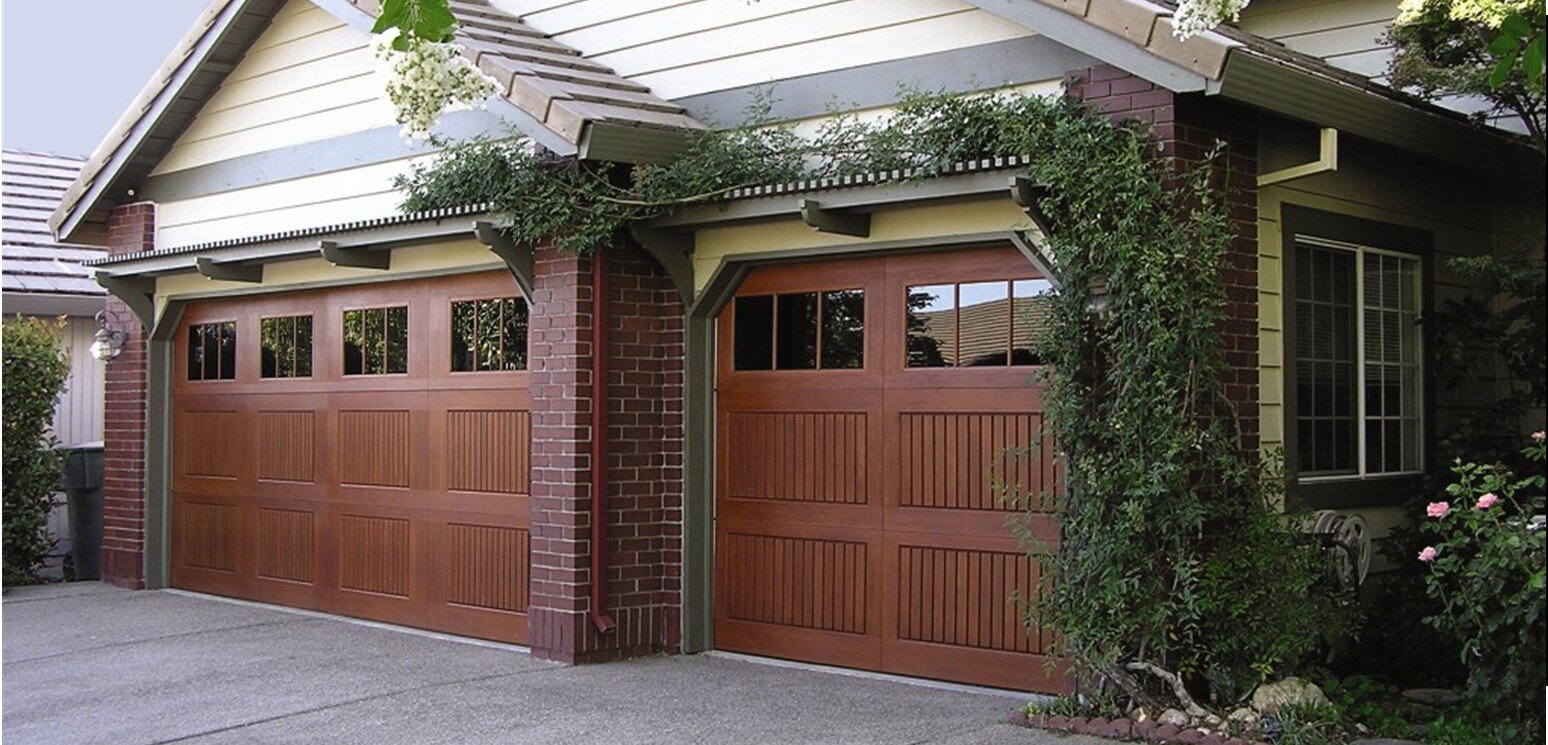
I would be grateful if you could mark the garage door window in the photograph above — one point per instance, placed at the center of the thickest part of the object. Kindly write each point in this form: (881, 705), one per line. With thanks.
(489, 335)
(285, 346)
(212, 351)
(975, 324)
(376, 341)
(800, 331)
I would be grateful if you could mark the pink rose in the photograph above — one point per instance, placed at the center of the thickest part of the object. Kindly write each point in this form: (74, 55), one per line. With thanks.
(1486, 501)
(1437, 509)
(1428, 554)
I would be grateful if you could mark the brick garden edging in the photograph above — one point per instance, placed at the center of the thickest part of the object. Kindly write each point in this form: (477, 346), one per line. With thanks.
(1123, 729)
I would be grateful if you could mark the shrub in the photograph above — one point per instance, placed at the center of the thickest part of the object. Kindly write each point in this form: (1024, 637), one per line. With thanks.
(36, 366)
(1486, 569)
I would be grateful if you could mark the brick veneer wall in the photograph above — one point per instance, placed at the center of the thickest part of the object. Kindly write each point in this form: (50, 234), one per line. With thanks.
(645, 436)
(131, 227)
(1187, 126)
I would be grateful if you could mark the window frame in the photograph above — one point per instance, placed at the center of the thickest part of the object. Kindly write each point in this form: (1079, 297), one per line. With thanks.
(451, 333)
(294, 317)
(408, 339)
(820, 294)
(1362, 413)
(236, 349)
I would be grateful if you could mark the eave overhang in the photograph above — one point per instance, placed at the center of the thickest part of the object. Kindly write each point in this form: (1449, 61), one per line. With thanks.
(379, 234)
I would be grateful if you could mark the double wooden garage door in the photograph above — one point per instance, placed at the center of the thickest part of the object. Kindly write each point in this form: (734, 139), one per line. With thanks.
(867, 411)
(362, 451)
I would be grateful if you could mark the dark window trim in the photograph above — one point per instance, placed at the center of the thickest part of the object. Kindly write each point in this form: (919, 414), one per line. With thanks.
(1332, 492)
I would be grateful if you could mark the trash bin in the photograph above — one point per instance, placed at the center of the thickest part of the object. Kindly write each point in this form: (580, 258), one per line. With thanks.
(83, 486)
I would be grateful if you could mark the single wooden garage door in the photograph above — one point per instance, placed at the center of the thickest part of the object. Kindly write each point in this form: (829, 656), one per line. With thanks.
(361, 451)
(861, 408)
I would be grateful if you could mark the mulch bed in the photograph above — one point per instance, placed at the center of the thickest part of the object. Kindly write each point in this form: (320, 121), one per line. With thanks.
(1124, 729)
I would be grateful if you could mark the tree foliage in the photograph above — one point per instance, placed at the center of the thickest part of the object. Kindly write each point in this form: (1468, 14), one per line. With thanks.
(1487, 48)
(36, 367)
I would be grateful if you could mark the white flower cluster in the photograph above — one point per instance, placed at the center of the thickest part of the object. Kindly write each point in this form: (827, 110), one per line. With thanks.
(1197, 16)
(427, 80)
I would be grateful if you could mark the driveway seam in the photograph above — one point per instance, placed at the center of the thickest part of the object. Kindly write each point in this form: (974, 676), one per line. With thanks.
(148, 640)
(352, 702)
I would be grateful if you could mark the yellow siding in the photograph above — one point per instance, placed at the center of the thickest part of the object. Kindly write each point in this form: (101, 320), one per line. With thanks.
(685, 48)
(715, 244)
(307, 78)
(313, 201)
(451, 256)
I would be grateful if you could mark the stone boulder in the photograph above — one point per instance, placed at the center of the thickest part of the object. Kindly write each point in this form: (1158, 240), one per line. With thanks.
(1272, 697)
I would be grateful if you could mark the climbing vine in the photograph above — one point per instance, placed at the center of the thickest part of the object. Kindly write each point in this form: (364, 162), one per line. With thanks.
(1172, 557)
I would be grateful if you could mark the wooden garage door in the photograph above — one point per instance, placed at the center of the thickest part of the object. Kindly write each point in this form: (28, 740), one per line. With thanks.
(865, 410)
(361, 451)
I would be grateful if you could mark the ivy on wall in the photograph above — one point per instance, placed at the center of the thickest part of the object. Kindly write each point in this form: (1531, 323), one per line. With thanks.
(1173, 562)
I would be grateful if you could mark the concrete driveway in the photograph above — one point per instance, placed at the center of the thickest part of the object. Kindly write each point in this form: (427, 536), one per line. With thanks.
(91, 663)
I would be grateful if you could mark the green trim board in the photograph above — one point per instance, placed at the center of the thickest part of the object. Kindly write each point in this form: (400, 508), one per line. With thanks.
(1029, 59)
(1353, 491)
(354, 150)
(160, 349)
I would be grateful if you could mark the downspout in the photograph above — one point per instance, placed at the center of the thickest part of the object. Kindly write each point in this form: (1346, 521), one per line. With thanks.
(599, 322)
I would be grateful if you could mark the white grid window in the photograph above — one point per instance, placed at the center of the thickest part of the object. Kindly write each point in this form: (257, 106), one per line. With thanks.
(1357, 319)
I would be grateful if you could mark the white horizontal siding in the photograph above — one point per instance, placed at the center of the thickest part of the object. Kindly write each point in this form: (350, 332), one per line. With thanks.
(313, 201)
(78, 416)
(686, 48)
(308, 77)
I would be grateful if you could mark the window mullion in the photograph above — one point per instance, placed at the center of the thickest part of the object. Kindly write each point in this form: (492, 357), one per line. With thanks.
(1360, 381)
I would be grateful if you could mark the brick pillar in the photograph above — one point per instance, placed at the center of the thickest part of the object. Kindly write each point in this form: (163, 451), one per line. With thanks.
(131, 228)
(1187, 126)
(645, 435)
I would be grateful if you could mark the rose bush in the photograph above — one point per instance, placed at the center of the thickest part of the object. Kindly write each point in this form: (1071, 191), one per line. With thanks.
(1487, 571)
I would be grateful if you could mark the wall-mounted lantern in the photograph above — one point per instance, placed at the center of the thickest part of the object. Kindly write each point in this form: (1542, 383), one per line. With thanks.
(109, 342)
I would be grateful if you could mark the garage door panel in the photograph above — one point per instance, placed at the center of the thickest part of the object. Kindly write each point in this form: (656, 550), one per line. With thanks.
(396, 497)
(904, 465)
(806, 596)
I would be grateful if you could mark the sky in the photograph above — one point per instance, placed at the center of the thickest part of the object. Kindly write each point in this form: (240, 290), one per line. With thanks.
(69, 68)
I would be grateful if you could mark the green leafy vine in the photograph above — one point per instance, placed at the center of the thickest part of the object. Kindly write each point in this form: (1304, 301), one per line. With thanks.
(1172, 553)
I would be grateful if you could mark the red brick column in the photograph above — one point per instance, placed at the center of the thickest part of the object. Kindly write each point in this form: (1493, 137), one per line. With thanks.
(1187, 126)
(645, 425)
(131, 228)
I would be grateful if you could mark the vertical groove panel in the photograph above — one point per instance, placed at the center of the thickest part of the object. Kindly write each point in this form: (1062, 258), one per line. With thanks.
(285, 445)
(374, 554)
(374, 448)
(489, 451)
(285, 544)
(209, 535)
(966, 598)
(794, 456)
(807, 583)
(954, 459)
(209, 443)
(487, 567)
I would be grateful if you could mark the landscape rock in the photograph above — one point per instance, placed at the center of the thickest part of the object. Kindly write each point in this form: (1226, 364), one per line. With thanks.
(1139, 714)
(1119, 729)
(1242, 715)
(1165, 733)
(1173, 717)
(1383, 741)
(1272, 697)
(1433, 696)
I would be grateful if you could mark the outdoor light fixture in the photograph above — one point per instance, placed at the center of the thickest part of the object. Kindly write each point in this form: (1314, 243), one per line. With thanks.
(109, 342)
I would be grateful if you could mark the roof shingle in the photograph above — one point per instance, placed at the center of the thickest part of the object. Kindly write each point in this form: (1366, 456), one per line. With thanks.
(31, 185)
